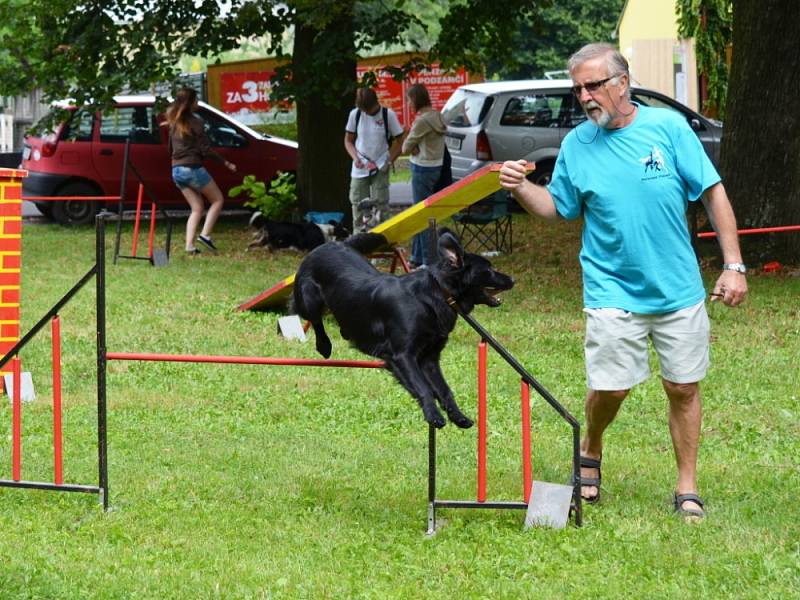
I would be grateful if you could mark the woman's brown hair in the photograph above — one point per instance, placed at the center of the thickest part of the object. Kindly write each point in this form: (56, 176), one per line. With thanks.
(179, 113)
(418, 94)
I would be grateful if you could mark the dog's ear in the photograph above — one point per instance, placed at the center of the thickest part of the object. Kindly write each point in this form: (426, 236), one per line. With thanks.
(450, 249)
(257, 219)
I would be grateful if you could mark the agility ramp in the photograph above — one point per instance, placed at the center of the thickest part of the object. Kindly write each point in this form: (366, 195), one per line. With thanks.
(404, 225)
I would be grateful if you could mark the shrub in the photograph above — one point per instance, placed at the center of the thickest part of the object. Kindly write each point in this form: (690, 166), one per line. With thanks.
(275, 203)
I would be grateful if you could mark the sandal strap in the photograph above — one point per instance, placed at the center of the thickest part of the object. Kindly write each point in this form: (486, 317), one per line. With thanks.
(590, 481)
(590, 463)
(679, 499)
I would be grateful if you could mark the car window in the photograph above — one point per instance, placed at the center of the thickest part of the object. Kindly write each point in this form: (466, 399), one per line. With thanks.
(465, 108)
(79, 126)
(533, 110)
(573, 114)
(135, 122)
(648, 100)
(220, 132)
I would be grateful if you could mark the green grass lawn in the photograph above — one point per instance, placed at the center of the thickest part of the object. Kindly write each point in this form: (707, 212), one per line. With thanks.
(282, 482)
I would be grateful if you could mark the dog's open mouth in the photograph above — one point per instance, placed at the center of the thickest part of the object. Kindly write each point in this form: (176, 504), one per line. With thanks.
(492, 299)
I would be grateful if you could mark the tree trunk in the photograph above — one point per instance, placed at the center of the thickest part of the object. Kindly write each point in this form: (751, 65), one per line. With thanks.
(760, 161)
(324, 72)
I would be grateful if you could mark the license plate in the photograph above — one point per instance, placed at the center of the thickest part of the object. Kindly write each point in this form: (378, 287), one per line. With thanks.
(26, 153)
(452, 143)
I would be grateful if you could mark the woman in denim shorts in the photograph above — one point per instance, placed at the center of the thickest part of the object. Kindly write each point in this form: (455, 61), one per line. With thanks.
(189, 147)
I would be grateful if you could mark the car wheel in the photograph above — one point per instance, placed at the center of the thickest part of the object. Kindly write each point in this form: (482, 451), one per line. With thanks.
(46, 208)
(542, 175)
(75, 212)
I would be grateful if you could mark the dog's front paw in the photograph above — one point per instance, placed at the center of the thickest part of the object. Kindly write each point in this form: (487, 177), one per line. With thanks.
(438, 422)
(435, 418)
(463, 421)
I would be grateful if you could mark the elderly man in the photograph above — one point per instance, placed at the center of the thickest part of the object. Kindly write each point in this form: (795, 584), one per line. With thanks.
(629, 171)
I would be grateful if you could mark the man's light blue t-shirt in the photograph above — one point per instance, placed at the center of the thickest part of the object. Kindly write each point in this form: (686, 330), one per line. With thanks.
(632, 186)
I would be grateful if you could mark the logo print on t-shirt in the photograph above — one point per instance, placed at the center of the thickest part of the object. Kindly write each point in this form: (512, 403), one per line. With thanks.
(654, 165)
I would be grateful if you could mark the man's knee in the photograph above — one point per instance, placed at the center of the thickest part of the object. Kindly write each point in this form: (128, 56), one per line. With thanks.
(681, 392)
(606, 396)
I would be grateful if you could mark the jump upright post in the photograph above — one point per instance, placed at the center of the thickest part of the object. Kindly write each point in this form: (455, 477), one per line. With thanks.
(527, 381)
(10, 258)
(155, 256)
(10, 216)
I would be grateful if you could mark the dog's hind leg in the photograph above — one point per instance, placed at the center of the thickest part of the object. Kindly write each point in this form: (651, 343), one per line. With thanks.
(408, 373)
(433, 372)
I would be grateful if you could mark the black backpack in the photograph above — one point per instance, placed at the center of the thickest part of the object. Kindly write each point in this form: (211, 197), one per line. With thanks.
(446, 174)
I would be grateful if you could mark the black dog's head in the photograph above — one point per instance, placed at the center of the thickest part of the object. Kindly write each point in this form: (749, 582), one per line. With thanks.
(469, 278)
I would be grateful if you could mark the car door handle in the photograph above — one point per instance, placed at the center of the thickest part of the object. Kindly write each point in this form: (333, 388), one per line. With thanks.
(106, 152)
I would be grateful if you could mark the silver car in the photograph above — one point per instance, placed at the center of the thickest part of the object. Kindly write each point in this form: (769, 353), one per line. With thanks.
(509, 120)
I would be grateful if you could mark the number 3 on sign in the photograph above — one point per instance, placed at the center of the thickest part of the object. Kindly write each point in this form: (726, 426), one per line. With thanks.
(250, 91)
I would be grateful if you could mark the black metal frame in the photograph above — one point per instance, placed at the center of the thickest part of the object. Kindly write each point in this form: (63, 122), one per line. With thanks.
(434, 503)
(126, 165)
(98, 272)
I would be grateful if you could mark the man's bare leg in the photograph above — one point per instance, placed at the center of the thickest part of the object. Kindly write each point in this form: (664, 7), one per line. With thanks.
(601, 408)
(685, 418)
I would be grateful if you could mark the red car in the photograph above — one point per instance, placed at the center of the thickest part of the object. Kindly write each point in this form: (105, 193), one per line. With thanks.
(84, 156)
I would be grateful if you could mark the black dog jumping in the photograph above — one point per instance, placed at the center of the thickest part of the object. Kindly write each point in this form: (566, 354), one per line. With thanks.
(406, 320)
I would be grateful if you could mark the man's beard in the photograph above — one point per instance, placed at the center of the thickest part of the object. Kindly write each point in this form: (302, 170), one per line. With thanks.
(600, 119)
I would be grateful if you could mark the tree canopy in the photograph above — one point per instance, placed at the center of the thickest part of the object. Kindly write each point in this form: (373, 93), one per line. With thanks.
(710, 23)
(90, 51)
(563, 27)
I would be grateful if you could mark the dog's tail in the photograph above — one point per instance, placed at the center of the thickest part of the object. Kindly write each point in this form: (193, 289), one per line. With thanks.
(366, 243)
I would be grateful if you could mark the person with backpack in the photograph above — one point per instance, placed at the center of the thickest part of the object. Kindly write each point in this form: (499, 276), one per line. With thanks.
(425, 143)
(372, 138)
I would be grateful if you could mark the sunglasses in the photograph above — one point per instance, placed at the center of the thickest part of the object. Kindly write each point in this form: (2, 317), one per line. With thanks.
(592, 86)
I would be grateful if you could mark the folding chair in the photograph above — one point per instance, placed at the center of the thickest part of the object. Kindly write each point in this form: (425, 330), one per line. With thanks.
(485, 227)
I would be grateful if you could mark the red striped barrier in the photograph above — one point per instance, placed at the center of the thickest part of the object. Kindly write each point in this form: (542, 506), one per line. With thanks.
(58, 462)
(246, 360)
(16, 422)
(709, 234)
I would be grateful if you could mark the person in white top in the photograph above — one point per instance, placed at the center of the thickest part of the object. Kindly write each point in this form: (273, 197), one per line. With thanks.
(372, 138)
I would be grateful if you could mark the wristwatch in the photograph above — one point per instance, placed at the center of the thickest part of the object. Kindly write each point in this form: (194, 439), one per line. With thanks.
(738, 267)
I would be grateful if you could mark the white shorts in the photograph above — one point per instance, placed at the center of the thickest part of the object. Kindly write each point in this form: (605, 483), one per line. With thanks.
(616, 346)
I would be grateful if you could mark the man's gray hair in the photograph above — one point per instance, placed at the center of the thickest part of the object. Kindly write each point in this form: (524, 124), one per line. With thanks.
(615, 62)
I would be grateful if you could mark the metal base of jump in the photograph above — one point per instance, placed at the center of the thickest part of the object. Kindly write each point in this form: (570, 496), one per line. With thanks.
(434, 503)
(54, 487)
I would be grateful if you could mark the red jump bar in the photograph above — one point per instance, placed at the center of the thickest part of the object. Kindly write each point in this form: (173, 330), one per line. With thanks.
(246, 360)
(708, 234)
